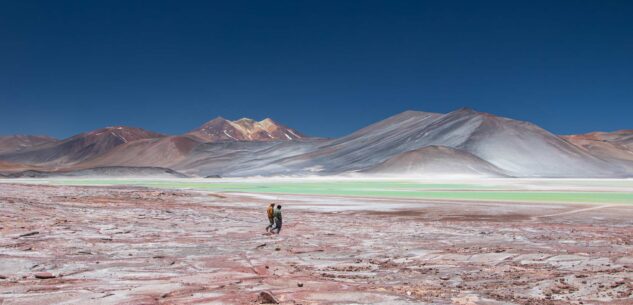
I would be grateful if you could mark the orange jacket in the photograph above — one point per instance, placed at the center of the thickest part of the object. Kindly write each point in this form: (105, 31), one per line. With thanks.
(270, 212)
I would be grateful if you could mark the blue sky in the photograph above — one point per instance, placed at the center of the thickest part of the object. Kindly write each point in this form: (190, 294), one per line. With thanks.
(325, 68)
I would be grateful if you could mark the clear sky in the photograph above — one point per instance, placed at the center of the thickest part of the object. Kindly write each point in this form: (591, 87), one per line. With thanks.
(325, 68)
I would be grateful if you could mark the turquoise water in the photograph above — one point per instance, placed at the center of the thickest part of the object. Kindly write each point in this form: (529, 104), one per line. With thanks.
(398, 189)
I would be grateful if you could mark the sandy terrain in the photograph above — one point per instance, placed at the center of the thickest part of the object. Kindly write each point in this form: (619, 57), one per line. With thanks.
(133, 245)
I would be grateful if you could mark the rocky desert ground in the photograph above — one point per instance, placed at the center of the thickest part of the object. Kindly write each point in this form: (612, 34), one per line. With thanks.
(135, 245)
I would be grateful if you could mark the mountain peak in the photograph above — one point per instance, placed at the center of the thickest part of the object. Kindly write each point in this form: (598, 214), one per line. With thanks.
(244, 129)
(218, 118)
(268, 121)
(472, 113)
(467, 110)
(126, 133)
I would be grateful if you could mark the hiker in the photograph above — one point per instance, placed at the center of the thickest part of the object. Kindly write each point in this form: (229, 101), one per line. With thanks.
(277, 219)
(271, 221)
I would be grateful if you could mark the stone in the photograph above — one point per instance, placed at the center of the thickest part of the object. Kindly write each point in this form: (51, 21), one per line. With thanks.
(44, 275)
(266, 297)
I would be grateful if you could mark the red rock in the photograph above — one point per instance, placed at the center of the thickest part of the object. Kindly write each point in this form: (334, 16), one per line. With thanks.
(44, 275)
(220, 129)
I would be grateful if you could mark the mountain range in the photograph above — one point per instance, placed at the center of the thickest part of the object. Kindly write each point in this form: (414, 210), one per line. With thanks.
(462, 143)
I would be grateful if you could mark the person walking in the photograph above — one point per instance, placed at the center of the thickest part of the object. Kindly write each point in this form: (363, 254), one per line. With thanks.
(271, 221)
(277, 220)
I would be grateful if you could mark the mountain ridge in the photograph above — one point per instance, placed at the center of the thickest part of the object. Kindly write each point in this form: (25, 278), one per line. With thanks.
(19, 142)
(491, 145)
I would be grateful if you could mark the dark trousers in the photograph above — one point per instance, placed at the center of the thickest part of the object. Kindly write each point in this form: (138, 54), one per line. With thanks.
(277, 226)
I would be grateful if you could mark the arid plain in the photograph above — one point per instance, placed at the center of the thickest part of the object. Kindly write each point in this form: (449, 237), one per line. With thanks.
(161, 242)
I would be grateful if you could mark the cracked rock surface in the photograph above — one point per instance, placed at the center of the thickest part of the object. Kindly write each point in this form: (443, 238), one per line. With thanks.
(133, 245)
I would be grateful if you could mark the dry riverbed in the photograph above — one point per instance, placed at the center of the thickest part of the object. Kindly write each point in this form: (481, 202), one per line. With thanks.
(134, 245)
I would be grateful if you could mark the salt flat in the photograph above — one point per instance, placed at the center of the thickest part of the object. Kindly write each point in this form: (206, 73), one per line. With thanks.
(148, 241)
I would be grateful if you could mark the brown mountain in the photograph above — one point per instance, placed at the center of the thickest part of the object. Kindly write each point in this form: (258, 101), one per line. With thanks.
(151, 152)
(220, 129)
(135, 147)
(79, 147)
(21, 142)
(611, 146)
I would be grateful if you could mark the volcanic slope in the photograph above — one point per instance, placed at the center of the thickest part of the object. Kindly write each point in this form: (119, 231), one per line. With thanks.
(157, 152)
(245, 158)
(517, 148)
(620, 137)
(487, 144)
(252, 148)
(16, 143)
(611, 146)
(80, 147)
(437, 161)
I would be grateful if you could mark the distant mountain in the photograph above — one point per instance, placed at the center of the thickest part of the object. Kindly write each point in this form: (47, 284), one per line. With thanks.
(518, 148)
(209, 149)
(366, 147)
(412, 143)
(524, 149)
(80, 147)
(20, 142)
(245, 158)
(160, 152)
(436, 161)
(220, 129)
(615, 147)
